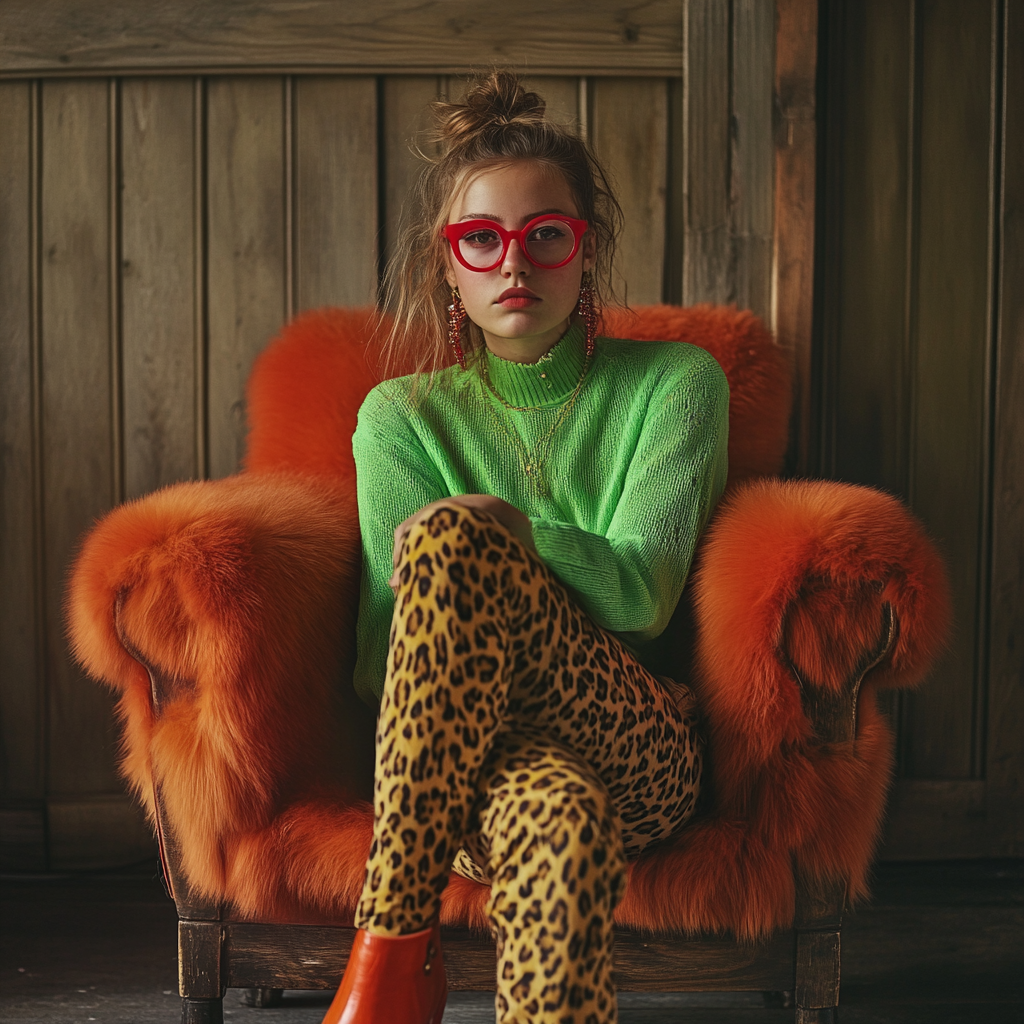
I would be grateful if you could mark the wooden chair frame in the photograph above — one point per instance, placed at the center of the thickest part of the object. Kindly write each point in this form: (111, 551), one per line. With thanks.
(798, 967)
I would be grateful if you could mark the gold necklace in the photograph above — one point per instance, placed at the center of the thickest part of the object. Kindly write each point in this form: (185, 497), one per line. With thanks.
(533, 464)
(485, 373)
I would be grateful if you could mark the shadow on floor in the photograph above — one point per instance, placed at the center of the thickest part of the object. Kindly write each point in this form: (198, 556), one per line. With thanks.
(939, 944)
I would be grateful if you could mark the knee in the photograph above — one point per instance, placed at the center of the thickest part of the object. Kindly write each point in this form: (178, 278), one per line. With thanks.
(560, 826)
(474, 529)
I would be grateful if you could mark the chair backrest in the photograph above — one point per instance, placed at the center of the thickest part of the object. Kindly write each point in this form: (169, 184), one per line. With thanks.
(307, 386)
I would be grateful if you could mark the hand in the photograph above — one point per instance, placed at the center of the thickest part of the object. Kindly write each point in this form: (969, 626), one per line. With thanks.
(506, 514)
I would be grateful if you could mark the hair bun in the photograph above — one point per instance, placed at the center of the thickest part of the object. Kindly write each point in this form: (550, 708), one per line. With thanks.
(494, 101)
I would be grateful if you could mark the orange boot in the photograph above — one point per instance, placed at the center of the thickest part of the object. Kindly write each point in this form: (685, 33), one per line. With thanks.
(395, 979)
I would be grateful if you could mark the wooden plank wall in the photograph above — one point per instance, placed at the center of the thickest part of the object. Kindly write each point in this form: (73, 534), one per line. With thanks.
(157, 229)
(921, 356)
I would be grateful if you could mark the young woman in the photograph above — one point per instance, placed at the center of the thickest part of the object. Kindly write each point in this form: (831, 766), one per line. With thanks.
(528, 518)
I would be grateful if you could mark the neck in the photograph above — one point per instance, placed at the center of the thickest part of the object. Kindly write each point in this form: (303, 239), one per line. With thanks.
(545, 383)
(525, 350)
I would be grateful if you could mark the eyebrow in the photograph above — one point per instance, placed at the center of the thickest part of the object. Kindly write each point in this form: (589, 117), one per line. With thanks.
(526, 219)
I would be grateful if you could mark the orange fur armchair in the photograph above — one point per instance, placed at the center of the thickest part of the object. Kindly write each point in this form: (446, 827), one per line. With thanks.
(245, 743)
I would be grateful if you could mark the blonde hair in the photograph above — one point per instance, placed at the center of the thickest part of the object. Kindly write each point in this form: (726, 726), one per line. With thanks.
(498, 121)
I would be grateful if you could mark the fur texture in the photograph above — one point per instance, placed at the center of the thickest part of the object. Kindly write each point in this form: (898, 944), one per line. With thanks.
(239, 592)
(244, 593)
(306, 387)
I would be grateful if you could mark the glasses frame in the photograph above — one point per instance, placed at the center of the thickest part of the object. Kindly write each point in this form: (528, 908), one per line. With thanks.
(456, 232)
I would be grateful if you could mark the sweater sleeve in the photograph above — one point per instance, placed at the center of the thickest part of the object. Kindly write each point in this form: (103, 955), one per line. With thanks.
(629, 580)
(394, 479)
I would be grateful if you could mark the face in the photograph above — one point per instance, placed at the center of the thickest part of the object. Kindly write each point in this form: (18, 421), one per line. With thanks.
(521, 308)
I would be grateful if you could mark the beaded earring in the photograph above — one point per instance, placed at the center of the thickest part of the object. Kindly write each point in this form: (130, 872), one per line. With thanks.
(588, 311)
(456, 319)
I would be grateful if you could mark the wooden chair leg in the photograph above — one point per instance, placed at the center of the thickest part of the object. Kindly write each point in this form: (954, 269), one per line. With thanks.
(202, 1011)
(199, 978)
(817, 977)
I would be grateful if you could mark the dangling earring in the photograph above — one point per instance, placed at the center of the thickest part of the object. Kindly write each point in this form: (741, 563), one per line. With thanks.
(588, 311)
(456, 318)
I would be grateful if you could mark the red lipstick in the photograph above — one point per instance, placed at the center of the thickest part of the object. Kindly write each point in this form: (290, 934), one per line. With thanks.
(517, 298)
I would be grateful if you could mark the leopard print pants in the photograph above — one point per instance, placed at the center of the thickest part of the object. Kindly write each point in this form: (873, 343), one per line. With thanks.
(525, 745)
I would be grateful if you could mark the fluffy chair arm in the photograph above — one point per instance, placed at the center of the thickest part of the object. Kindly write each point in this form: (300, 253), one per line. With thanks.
(242, 592)
(800, 571)
(793, 575)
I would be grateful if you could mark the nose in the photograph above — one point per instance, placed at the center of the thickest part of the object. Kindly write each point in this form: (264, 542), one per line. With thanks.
(515, 262)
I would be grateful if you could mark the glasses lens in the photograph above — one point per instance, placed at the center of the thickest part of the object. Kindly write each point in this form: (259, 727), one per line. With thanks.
(550, 242)
(481, 247)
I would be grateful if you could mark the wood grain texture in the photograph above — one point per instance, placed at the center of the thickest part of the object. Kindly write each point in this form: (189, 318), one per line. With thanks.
(629, 133)
(285, 956)
(820, 903)
(292, 956)
(405, 116)
(941, 820)
(911, 376)
(1005, 752)
(560, 92)
(866, 436)
(246, 253)
(158, 255)
(706, 147)
(702, 964)
(794, 219)
(752, 158)
(817, 969)
(72, 36)
(21, 711)
(335, 191)
(199, 958)
(78, 464)
(949, 313)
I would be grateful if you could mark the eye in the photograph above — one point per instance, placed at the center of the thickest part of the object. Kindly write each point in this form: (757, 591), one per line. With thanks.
(480, 238)
(548, 233)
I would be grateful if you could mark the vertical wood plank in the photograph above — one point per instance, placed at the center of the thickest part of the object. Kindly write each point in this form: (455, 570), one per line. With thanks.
(157, 270)
(950, 314)
(795, 152)
(246, 249)
(335, 191)
(405, 115)
(21, 719)
(869, 445)
(706, 86)
(1005, 755)
(629, 133)
(752, 162)
(560, 92)
(675, 214)
(78, 470)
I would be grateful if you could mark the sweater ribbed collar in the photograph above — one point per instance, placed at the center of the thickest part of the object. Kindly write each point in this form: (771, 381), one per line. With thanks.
(547, 382)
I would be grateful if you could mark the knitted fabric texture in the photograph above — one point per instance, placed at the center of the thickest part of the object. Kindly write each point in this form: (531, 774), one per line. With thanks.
(633, 473)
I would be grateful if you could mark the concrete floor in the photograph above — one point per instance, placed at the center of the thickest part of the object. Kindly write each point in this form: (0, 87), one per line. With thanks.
(939, 944)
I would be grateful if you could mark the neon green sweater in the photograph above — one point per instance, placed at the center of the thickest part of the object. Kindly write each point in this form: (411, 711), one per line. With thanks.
(633, 472)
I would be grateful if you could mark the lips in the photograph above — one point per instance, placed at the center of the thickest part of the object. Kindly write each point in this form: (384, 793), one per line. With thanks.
(517, 298)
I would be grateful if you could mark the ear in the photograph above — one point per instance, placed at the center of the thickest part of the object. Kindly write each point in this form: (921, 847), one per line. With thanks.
(589, 246)
(449, 268)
